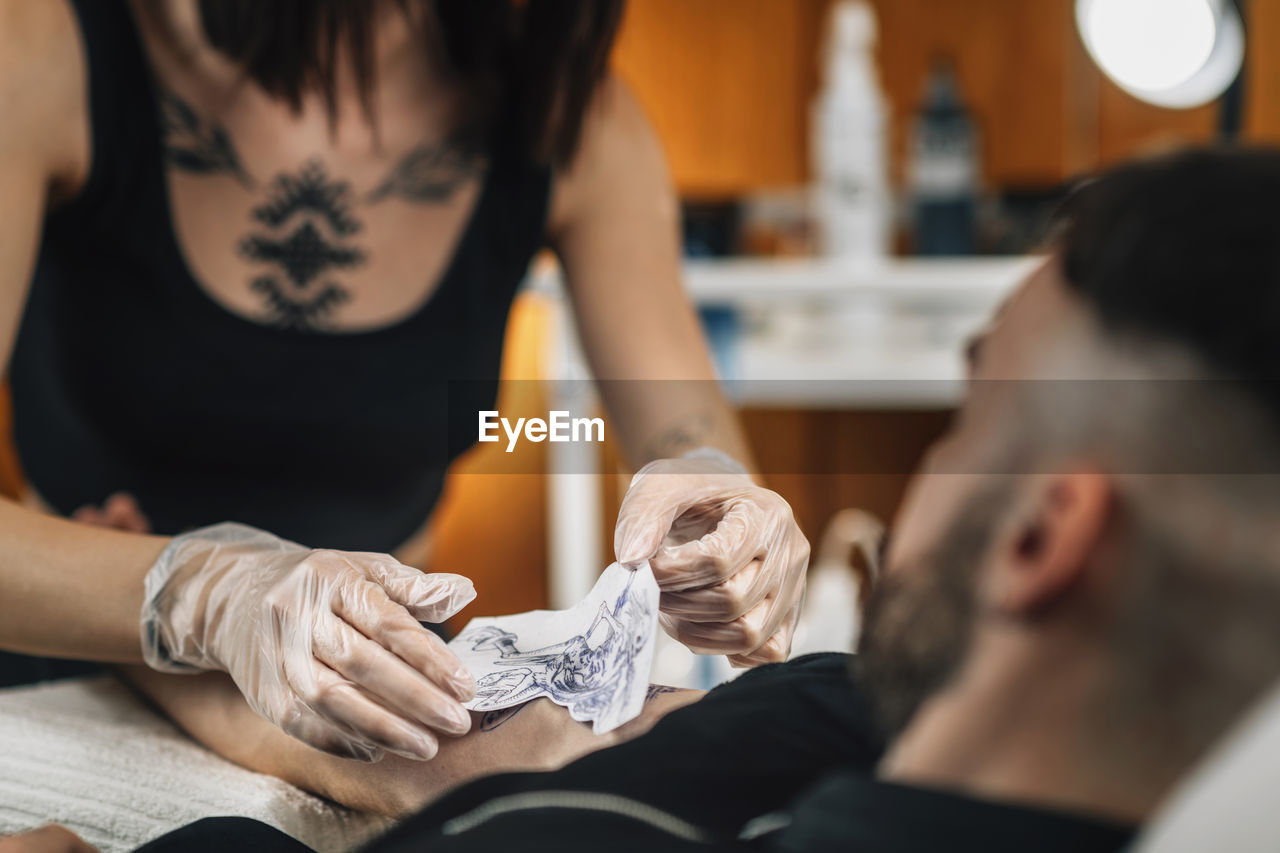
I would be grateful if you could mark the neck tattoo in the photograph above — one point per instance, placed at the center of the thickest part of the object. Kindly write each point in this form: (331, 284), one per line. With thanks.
(305, 228)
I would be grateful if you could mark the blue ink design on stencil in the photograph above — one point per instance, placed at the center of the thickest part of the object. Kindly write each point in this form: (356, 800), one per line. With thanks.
(583, 673)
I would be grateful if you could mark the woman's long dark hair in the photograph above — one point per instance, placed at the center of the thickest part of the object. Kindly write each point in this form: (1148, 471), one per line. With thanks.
(532, 64)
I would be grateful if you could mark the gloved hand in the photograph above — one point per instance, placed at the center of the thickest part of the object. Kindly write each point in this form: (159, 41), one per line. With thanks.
(727, 554)
(325, 644)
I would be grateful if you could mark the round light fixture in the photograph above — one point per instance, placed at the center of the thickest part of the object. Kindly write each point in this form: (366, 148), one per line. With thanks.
(1172, 53)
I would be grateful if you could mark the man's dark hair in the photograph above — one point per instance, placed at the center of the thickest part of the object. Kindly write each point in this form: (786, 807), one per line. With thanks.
(532, 64)
(1185, 248)
(1182, 252)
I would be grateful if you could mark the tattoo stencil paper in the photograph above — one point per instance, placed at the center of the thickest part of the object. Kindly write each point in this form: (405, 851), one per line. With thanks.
(593, 658)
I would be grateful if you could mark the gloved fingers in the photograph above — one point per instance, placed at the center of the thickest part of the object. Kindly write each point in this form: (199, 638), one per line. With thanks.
(309, 727)
(722, 552)
(786, 609)
(776, 649)
(643, 523)
(381, 676)
(339, 701)
(368, 608)
(740, 636)
(721, 602)
(430, 597)
(662, 491)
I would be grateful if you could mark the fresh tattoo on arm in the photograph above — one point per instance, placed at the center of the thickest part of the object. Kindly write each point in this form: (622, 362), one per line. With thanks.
(192, 144)
(491, 720)
(298, 253)
(656, 690)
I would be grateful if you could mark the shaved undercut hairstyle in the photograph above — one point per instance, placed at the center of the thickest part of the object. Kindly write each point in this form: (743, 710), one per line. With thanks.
(533, 64)
(1178, 259)
(1186, 248)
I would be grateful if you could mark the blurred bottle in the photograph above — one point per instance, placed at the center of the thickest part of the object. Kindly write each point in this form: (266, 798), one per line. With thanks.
(943, 169)
(841, 578)
(850, 159)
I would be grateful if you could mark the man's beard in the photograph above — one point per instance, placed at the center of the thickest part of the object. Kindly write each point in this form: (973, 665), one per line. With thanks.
(920, 619)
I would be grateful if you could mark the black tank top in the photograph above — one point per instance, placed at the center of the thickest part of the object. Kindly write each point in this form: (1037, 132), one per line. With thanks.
(127, 376)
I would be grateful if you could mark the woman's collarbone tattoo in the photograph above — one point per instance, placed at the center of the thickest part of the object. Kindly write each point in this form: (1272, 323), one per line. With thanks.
(306, 232)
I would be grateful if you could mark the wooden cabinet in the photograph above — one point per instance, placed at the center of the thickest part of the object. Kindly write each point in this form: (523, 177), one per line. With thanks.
(728, 85)
(724, 84)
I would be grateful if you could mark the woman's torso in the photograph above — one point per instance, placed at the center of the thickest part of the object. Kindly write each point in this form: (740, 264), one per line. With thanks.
(244, 315)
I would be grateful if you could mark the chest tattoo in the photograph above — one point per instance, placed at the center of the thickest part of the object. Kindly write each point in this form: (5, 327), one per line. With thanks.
(193, 145)
(433, 171)
(304, 232)
(308, 224)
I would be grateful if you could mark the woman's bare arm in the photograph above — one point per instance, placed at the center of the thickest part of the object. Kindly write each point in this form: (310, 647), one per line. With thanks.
(615, 226)
(538, 735)
(65, 589)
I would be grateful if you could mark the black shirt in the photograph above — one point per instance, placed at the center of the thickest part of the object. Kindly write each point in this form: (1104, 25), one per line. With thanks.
(128, 376)
(854, 811)
(781, 759)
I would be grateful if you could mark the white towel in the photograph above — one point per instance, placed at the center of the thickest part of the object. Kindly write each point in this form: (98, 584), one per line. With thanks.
(87, 754)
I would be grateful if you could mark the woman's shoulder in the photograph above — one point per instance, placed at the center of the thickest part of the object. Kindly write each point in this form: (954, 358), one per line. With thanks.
(42, 87)
(616, 150)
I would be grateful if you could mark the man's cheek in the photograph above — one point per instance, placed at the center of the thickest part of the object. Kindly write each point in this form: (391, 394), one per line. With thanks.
(932, 501)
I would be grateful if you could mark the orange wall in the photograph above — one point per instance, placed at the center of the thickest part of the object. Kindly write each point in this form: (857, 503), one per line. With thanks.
(728, 85)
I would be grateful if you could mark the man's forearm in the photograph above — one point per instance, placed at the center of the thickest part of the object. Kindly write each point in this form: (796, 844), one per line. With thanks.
(538, 735)
(71, 590)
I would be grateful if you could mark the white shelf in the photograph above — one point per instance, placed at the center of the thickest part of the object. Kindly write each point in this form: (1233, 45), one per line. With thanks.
(938, 282)
(820, 333)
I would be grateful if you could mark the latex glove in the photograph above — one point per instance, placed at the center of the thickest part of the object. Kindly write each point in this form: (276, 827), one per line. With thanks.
(325, 644)
(727, 554)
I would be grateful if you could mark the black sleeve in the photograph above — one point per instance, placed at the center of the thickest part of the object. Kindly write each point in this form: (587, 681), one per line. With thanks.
(219, 834)
(746, 749)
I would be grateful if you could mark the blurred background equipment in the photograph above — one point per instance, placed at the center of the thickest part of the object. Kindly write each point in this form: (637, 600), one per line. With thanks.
(1171, 53)
(844, 571)
(943, 169)
(850, 159)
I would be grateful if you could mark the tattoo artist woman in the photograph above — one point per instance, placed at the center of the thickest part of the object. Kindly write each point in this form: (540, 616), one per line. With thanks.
(248, 246)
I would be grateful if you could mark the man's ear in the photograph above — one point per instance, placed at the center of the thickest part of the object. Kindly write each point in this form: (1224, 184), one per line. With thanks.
(1048, 546)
